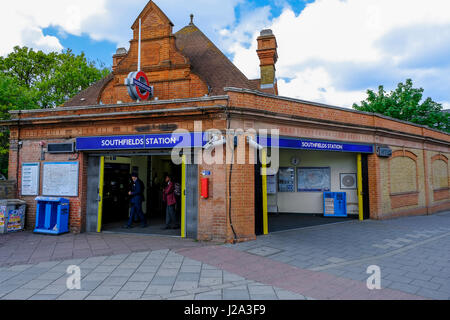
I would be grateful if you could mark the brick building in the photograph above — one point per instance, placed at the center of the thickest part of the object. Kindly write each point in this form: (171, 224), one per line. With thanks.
(386, 168)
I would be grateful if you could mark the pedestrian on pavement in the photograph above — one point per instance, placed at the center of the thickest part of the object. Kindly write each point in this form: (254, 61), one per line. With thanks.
(137, 197)
(170, 200)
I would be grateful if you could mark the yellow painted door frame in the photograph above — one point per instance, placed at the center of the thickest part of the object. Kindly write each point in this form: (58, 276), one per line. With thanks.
(100, 194)
(264, 193)
(183, 197)
(360, 187)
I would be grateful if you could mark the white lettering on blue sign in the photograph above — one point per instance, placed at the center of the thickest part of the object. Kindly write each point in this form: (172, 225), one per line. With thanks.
(122, 142)
(322, 145)
(157, 141)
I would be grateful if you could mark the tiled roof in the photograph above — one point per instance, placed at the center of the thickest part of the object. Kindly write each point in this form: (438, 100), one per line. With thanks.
(89, 96)
(206, 59)
(209, 62)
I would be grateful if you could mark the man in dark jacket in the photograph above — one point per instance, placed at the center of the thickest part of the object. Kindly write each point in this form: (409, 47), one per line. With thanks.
(169, 199)
(137, 197)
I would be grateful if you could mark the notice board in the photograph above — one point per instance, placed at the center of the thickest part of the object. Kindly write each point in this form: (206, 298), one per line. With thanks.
(286, 180)
(272, 184)
(60, 179)
(30, 179)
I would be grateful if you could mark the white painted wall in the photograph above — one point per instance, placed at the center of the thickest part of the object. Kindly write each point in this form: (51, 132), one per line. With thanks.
(312, 202)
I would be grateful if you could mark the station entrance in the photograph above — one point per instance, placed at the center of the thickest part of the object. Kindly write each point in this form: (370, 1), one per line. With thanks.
(109, 184)
(311, 188)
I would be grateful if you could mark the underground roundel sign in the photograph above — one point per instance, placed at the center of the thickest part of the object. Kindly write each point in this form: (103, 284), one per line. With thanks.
(138, 86)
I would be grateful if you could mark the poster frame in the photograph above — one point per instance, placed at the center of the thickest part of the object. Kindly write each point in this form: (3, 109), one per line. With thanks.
(61, 163)
(38, 176)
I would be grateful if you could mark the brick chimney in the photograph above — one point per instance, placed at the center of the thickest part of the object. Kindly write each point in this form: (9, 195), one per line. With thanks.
(268, 56)
(120, 54)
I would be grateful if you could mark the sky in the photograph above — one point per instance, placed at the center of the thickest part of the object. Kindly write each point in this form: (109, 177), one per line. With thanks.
(330, 51)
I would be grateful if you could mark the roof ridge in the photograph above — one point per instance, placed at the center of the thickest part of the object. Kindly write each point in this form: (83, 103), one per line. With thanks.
(192, 25)
(81, 95)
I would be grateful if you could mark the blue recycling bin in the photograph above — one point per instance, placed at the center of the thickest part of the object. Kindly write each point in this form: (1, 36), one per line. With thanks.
(335, 204)
(52, 215)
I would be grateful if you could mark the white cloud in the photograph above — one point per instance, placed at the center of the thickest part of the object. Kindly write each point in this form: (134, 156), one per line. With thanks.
(331, 52)
(22, 23)
(334, 50)
(315, 84)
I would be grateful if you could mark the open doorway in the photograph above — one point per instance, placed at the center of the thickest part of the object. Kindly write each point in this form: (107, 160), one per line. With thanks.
(294, 198)
(117, 182)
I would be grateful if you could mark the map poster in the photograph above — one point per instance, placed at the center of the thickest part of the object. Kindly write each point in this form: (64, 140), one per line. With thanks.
(60, 179)
(313, 179)
(30, 179)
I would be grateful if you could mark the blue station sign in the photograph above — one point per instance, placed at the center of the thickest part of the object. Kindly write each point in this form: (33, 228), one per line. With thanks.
(159, 141)
(292, 143)
(186, 140)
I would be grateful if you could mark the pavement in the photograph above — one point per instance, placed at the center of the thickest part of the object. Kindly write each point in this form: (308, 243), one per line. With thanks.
(322, 262)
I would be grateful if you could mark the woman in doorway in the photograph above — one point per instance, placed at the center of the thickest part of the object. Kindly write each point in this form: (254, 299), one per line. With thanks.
(170, 200)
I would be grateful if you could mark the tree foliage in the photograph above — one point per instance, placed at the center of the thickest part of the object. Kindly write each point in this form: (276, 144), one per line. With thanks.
(406, 103)
(12, 97)
(33, 79)
(54, 77)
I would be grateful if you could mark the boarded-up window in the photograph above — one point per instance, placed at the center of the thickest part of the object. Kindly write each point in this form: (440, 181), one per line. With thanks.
(440, 174)
(403, 175)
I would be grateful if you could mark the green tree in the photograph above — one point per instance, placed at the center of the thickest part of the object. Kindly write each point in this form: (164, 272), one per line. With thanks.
(33, 79)
(27, 66)
(69, 75)
(405, 103)
(56, 77)
(12, 97)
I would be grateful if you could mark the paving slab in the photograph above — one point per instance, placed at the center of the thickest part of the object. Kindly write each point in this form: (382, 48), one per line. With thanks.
(324, 262)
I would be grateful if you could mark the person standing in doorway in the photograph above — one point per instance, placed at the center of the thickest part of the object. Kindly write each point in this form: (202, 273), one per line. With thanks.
(137, 197)
(169, 199)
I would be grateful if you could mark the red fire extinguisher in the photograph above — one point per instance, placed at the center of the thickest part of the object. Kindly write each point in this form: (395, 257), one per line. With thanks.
(204, 187)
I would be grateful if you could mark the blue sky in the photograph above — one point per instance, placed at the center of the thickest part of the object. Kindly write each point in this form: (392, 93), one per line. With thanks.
(330, 51)
(101, 51)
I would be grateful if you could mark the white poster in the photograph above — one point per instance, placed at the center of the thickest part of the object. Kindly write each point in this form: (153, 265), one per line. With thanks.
(272, 184)
(30, 179)
(60, 179)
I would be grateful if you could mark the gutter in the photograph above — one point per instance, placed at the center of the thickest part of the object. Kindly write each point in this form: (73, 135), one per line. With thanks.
(113, 114)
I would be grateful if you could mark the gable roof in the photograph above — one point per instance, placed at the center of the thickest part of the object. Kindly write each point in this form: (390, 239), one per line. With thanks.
(90, 95)
(151, 6)
(209, 62)
(206, 59)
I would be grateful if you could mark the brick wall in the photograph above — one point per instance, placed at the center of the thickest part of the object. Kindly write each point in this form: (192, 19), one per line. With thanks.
(168, 71)
(408, 183)
(252, 100)
(31, 152)
(214, 219)
(8, 189)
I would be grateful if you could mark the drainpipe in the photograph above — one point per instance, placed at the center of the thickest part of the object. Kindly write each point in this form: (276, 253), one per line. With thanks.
(229, 181)
(17, 157)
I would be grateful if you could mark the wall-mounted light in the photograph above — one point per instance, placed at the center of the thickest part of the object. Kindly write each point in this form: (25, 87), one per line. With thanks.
(42, 144)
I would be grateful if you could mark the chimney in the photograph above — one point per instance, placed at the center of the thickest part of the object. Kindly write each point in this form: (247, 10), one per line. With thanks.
(120, 54)
(268, 56)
